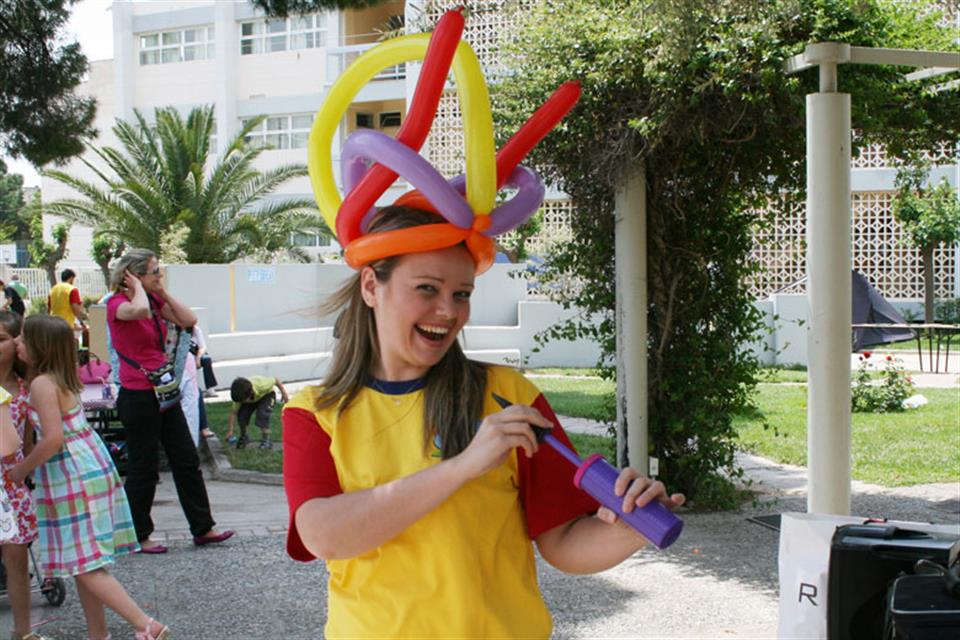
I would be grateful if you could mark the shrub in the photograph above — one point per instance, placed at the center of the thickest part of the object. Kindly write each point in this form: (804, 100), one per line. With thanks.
(884, 395)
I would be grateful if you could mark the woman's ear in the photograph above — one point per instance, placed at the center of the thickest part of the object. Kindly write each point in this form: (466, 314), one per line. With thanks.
(368, 286)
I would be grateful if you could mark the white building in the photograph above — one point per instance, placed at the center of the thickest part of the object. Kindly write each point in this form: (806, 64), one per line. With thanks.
(187, 53)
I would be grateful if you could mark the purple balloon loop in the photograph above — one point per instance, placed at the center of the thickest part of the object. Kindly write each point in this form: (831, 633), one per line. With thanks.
(521, 206)
(408, 164)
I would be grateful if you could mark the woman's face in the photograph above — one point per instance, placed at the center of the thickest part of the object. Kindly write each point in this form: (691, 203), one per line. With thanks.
(420, 310)
(151, 277)
(22, 350)
(8, 349)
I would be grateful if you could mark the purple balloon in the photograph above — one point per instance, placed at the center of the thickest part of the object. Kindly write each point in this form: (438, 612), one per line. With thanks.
(522, 205)
(410, 165)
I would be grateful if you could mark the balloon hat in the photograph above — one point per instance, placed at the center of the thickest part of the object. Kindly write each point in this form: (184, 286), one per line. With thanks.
(371, 160)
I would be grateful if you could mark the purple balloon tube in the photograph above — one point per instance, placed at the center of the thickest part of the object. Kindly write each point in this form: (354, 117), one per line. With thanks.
(655, 521)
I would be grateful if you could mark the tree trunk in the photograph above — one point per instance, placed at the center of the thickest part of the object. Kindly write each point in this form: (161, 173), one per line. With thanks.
(928, 283)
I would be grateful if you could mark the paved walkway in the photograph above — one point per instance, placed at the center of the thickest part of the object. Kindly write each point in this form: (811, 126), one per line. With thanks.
(718, 581)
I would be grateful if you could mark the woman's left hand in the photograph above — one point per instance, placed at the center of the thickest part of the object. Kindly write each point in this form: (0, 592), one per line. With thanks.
(638, 491)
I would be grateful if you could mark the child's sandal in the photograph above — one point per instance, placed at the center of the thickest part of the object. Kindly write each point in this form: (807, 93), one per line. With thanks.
(147, 633)
(29, 636)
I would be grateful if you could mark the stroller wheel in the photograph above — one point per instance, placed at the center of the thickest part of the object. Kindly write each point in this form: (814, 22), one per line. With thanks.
(54, 590)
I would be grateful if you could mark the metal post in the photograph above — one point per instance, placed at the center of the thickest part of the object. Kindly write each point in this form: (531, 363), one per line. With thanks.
(630, 234)
(829, 300)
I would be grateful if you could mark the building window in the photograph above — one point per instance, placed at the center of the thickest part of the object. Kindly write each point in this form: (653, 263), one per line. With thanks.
(181, 45)
(389, 119)
(365, 121)
(282, 132)
(283, 34)
(309, 240)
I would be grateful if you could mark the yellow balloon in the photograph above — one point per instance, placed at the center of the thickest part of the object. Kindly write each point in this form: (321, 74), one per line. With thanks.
(474, 105)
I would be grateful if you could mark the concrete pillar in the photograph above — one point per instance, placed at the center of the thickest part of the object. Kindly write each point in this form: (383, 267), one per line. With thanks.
(630, 233)
(829, 300)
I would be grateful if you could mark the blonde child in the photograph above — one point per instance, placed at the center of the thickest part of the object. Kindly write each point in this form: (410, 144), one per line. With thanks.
(16, 437)
(76, 477)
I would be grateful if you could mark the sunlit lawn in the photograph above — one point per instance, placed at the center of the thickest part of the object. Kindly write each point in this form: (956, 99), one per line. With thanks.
(891, 449)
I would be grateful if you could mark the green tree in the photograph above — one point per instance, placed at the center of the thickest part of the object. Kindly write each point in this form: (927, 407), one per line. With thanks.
(930, 214)
(698, 93)
(41, 116)
(44, 255)
(165, 176)
(105, 250)
(11, 202)
(283, 8)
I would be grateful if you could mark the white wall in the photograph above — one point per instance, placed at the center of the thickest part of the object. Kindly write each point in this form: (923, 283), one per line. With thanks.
(787, 321)
(276, 321)
(287, 296)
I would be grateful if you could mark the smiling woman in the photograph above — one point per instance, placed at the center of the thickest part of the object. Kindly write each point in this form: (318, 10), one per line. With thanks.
(403, 467)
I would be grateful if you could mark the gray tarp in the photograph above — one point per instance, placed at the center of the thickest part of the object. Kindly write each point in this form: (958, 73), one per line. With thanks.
(869, 307)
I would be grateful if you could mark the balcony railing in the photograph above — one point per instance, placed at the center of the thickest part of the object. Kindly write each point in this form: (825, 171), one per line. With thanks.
(339, 58)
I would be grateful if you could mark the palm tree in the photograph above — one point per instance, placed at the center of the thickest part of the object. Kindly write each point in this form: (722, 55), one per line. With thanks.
(160, 182)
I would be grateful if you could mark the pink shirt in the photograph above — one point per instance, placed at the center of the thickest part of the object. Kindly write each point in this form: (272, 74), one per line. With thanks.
(137, 340)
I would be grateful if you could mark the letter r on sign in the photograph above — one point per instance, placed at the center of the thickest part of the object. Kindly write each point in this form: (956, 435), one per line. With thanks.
(809, 591)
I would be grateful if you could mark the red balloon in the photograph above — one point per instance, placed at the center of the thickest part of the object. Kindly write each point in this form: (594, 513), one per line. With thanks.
(536, 128)
(413, 132)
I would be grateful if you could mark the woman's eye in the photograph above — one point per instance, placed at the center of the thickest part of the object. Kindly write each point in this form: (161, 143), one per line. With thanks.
(462, 295)
(429, 288)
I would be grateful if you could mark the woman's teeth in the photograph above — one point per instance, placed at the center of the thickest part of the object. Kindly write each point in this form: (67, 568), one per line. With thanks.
(432, 332)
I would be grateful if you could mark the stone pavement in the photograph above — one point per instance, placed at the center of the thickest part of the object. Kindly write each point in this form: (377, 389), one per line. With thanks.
(718, 581)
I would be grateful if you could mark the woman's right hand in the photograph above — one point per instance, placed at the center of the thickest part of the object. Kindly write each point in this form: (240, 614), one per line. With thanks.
(498, 435)
(131, 282)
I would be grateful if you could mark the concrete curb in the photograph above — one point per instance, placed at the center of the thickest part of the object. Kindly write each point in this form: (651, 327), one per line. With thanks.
(221, 469)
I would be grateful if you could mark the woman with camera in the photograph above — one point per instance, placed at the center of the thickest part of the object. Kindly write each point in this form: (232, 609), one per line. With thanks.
(136, 317)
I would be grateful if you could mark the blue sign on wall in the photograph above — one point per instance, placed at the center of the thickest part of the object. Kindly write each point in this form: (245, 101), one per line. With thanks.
(261, 275)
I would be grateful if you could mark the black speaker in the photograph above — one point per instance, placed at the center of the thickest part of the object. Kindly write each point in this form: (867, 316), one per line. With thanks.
(864, 561)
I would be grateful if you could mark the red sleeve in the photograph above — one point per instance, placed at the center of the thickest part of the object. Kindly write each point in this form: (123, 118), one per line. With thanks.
(308, 470)
(546, 483)
(75, 296)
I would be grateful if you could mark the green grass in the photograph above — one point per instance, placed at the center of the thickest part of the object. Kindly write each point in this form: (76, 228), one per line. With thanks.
(562, 371)
(587, 445)
(894, 449)
(578, 397)
(779, 374)
(911, 344)
(251, 458)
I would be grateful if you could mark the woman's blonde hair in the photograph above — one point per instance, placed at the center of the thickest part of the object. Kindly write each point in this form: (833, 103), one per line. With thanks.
(453, 394)
(136, 260)
(53, 349)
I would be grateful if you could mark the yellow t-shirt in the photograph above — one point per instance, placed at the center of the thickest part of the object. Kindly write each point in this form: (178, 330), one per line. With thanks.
(60, 302)
(464, 570)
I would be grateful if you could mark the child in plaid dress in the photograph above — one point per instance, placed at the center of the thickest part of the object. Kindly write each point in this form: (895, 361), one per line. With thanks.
(82, 510)
(16, 436)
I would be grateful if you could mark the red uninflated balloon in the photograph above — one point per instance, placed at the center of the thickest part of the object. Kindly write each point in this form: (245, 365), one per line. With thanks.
(413, 132)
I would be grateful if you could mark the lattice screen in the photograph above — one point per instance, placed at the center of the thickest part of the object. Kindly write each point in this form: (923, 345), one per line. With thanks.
(874, 156)
(554, 228)
(487, 23)
(879, 252)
